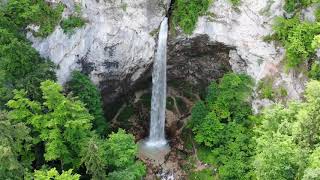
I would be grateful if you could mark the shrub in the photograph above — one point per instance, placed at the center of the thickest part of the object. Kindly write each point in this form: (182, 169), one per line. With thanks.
(70, 24)
(314, 73)
(186, 14)
(266, 89)
(235, 2)
(292, 5)
(297, 38)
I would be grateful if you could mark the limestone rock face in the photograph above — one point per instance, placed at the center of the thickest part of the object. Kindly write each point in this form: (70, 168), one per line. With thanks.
(115, 45)
(243, 28)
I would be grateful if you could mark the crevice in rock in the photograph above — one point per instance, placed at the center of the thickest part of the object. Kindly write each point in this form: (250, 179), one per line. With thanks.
(171, 9)
(170, 13)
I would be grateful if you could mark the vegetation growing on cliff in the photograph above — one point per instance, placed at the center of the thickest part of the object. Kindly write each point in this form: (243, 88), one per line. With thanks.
(68, 25)
(185, 15)
(74, 21)
(37, 12)
(297, 37)
(292, 5)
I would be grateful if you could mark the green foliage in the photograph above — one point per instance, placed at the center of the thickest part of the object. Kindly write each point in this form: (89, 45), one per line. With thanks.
(121, 153)
(121, 149)
(117, 153)
(292, 5)
(223, 124)
(268, 91)
(63, 127)
(15, 148)
(205, 174)
(277, 158)
(133, 172)
(314, 72)
(317, 14)
(21, 67)
(205, 155)
(70, 24)
(82, 87)
(186, 14)
(235, 2)
(288, 139)
(297, 38)
(312, 172)
(94, 158)
(316, 42)
(25, 12)
(306, 128)
(44, 174)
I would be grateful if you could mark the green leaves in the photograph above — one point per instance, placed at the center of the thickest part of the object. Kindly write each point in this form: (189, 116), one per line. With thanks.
(186, 14)
(69, 25)
(15, 148)
(62, 123)
(288, 139)
(54, 174)
(298, 39)
(223, 124)
(81, 86)
(121, 149)
(132, 172)
(21, 67)
(118, 153)
(277, 158)
(94, 158)
(25, 12)
(291, 5)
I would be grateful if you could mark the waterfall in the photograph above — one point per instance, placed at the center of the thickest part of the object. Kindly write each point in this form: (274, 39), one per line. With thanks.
(159, 90)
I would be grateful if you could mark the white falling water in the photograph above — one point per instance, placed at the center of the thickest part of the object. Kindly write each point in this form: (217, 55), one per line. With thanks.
(159, 90)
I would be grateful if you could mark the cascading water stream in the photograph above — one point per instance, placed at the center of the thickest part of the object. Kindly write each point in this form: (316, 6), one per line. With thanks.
(159, 88)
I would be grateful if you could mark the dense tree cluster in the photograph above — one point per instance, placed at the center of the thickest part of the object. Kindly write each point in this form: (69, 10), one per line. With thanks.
(63, 125)
(222, 123)
(280, 143)
(288, 139)
(81, 86)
